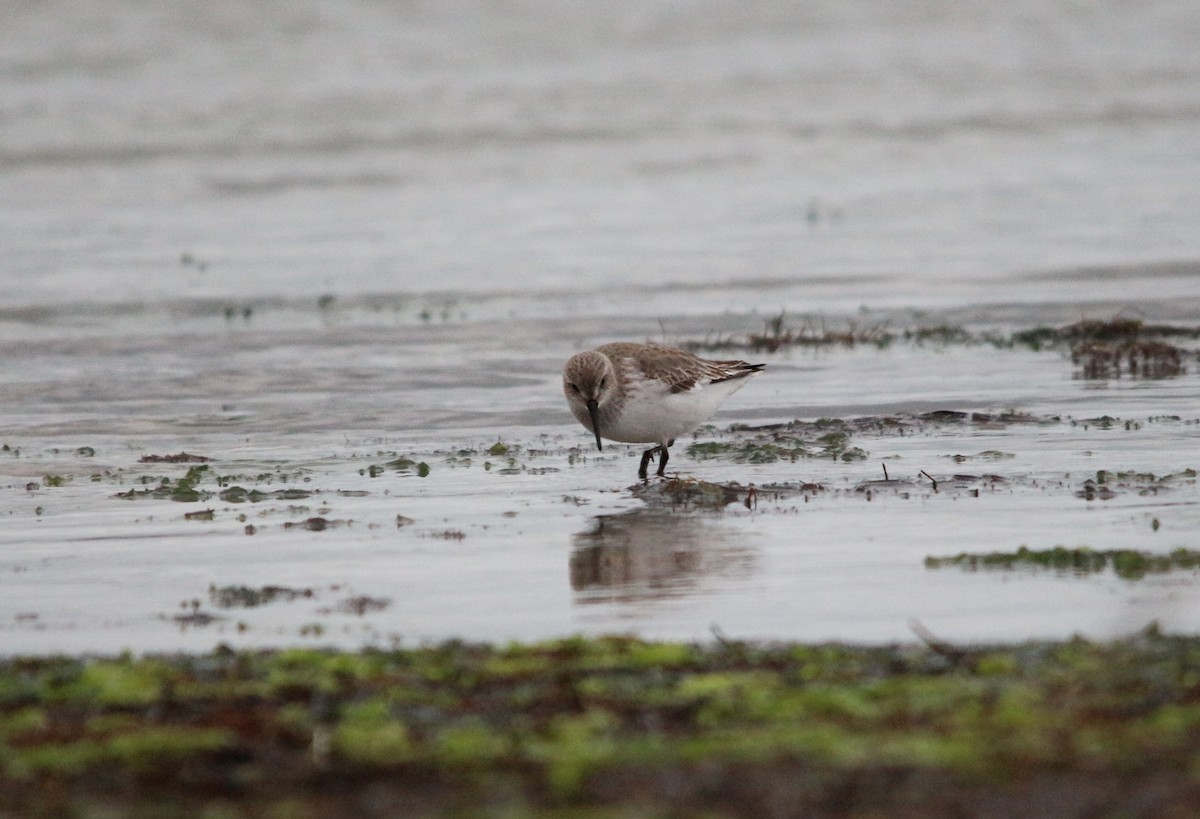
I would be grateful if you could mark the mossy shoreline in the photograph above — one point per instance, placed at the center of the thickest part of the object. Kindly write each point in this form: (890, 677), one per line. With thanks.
(610, 727)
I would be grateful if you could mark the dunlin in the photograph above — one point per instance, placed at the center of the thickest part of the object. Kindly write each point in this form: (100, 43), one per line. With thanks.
(648, 393)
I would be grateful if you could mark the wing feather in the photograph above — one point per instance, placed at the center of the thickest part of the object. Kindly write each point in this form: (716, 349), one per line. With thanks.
(679, 370)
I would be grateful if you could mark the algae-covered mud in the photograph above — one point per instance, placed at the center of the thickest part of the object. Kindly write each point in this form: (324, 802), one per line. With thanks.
(610, 727)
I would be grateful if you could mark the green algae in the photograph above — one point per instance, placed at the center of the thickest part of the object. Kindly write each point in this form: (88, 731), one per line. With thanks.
(823, 438)
(369, 733)
(1129, 564)
(548, 724)
(189, 488)
(239, 494)
(120, 683)
(149, 749)
(746, 452)
(237, 596)
(181, 490)
(403, 466)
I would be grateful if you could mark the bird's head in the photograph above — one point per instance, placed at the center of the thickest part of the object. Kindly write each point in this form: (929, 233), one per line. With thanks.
(589, 380)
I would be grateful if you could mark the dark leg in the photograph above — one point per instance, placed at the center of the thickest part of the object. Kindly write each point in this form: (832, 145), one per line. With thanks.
(646, 462)
(662, 462)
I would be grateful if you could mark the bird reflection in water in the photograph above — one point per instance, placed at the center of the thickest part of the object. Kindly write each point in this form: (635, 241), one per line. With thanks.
(655, 553)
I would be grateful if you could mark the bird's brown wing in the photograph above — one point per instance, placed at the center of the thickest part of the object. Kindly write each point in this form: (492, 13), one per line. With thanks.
(679, 370)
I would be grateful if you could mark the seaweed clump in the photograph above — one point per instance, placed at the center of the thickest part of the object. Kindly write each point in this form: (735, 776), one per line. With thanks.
(1129, 564)
(1101, 349)
(777, 335)
(1118, 347)
(791, 441)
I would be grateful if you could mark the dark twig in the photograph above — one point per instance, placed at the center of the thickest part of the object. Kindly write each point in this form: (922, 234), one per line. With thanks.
(932, 480)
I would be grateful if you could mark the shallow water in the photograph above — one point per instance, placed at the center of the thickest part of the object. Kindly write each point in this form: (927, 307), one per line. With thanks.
(548, 538)
(307, 242)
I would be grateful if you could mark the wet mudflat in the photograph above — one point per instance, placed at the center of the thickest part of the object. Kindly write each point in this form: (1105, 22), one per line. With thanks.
(436, 488)
(342, 256)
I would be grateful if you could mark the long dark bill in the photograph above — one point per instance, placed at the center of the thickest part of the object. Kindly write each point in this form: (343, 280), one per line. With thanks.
(594, 412)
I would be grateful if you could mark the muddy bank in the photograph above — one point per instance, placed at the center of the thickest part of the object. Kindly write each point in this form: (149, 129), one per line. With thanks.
(615, 724)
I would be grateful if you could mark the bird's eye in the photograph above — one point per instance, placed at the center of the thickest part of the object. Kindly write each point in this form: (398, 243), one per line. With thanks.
(602, 380)
(576, 388)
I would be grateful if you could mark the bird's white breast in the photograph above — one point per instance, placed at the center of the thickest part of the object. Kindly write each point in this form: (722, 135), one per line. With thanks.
(654, 414)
